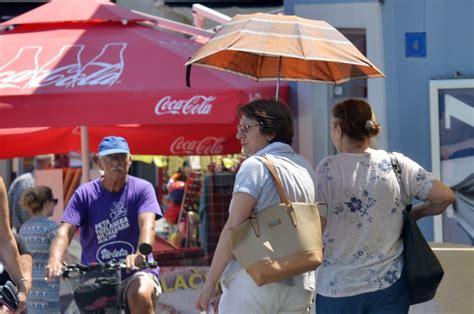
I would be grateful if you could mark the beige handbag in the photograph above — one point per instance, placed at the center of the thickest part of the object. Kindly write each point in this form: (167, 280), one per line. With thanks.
(279, 242)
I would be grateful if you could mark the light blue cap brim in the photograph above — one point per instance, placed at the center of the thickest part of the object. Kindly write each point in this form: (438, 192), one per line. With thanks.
(114, 151)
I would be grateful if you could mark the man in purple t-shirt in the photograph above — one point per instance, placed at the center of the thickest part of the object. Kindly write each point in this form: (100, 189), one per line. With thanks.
(115, 213)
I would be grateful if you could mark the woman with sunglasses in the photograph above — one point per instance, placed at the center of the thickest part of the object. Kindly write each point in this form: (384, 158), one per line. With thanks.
(38, 233)
(265, 128)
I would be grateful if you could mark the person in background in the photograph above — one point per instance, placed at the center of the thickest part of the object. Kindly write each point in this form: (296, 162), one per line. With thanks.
(177, 226)
(181, 175)
(175, 197)
(9, 251)
(363, 252)
(265, 128)
(38, 233)
(27, 180)
(115, 213)
(95, 172)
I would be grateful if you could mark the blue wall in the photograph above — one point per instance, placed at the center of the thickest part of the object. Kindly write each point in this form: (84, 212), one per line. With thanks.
(449, 28)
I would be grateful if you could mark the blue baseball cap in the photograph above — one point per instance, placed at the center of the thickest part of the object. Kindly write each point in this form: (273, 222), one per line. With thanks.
(113, 145)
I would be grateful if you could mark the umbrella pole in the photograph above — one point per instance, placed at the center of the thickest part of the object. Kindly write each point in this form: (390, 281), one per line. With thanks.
(278, 79)
(85, 154)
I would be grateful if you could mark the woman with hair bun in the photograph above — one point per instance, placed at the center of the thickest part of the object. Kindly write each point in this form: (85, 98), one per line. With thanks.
(363, 261)
(38, 233)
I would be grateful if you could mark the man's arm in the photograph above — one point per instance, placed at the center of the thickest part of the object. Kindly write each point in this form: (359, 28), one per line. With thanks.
(26, 259)
(57, 250)
(11, 201)
(146, 224)
(9, 250)
(27, 266)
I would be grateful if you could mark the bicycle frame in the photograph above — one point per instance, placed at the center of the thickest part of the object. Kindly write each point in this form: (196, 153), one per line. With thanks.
(96, 287)
(96, 290)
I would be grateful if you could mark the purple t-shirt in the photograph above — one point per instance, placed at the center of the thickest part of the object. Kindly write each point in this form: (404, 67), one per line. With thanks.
(108, 220)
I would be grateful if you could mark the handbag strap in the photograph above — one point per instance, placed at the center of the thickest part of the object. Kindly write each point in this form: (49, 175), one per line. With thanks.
(271, 167)
(283, 198)
(398, 173)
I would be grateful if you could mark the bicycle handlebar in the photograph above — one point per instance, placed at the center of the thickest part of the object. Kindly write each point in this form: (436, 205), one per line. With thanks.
(112, 265)
(144, 249)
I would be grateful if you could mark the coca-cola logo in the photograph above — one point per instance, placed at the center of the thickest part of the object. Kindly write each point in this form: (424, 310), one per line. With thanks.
(196, 105)
(114, 250)
(209, 145)
(24, 70)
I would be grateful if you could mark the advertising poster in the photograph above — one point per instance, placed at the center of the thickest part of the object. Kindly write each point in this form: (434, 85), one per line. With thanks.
(452, 132)
(181, 286)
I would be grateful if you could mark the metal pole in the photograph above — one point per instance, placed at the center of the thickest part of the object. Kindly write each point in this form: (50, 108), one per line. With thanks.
(85, 177)
(278, 80)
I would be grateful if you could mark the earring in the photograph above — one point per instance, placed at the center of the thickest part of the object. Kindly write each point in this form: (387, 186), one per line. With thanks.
(269, 140)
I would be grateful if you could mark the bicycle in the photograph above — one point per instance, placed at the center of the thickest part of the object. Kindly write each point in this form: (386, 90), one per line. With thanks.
(96, 287)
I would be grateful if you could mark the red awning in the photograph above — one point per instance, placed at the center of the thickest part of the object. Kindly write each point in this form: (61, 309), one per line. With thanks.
(105, 74)
(78, 72)
(143, 139)
(64, 11)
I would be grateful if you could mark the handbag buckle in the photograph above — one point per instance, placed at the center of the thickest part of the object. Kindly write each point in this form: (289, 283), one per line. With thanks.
(255, 225)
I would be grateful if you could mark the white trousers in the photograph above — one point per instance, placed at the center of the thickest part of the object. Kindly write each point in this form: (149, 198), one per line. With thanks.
(242, 295)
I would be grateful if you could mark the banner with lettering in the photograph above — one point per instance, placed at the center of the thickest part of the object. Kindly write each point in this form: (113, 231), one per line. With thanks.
(181, 286)
(143, 139)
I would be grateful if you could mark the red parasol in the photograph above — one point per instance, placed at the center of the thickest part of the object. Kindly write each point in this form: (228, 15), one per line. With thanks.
(97, 66)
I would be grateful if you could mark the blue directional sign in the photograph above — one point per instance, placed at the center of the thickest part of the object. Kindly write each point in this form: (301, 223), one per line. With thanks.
(415, 45)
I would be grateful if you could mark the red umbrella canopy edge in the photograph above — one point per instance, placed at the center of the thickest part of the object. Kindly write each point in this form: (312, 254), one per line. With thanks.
(91, 11)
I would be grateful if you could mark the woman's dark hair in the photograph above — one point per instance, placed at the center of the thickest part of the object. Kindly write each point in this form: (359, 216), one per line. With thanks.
(356, 118)
(33, 199)
(274, 116)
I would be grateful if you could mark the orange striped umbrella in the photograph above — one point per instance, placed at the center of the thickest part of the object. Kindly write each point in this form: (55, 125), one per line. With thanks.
(273, 47)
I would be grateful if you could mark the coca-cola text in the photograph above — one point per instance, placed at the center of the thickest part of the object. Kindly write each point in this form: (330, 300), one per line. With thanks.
(209, 145)
(196, 105)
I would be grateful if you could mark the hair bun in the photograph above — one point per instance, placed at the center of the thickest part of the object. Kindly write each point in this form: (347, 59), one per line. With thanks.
(369, 125)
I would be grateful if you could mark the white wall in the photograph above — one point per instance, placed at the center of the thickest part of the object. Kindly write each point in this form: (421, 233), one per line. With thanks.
(314, 100)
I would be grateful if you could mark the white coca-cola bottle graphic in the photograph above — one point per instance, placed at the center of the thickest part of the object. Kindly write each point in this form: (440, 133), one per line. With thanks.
(61, 70)
(20, 68)
(104, 69)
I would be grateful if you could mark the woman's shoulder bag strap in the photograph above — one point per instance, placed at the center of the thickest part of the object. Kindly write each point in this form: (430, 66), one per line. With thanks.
(271, 167)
